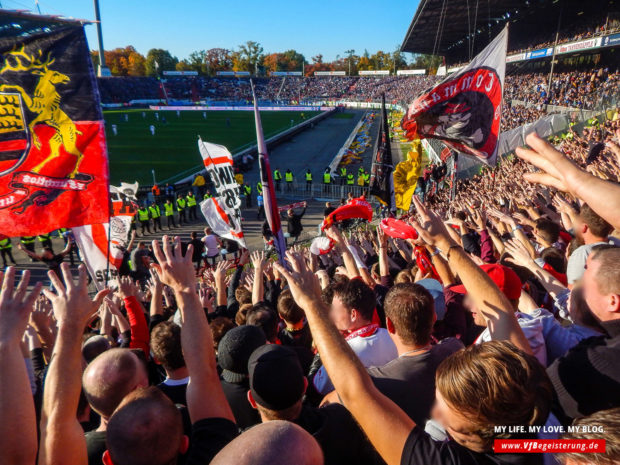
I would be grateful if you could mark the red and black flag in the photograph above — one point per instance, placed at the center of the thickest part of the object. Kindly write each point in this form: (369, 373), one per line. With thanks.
(53, 156)
(382, 171)
(464, 110)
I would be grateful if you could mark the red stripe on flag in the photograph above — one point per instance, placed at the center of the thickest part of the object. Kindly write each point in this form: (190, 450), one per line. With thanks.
(17, 144)
(216, 161)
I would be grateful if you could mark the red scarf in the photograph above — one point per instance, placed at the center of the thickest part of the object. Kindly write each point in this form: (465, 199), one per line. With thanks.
(364, 331)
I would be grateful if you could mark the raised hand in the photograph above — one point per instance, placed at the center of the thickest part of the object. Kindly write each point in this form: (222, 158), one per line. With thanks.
(258, 260)
(303, 283)
(71, 303)
(174, 269)
(431, 228)
(519, 253)
(15, 305)
(126, 288)
(220, 271)
(557, 170)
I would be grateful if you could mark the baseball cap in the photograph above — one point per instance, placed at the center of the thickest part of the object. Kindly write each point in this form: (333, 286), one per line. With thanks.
(506, 279)
(435, 289)
(234, 350)
(276, 377)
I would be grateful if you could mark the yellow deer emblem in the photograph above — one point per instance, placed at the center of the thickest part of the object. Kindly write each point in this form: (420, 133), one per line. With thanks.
(45, 102)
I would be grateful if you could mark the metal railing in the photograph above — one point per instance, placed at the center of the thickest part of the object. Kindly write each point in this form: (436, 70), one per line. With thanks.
(319, 191)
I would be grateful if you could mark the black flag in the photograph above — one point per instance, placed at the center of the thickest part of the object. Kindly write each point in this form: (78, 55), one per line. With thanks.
(382, 178)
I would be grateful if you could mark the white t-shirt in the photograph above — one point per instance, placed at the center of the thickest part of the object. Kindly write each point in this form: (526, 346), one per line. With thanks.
(373, 351)
(533, 329)
(211, 245)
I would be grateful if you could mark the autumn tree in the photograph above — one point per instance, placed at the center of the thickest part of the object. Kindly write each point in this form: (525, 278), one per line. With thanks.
(159, 60)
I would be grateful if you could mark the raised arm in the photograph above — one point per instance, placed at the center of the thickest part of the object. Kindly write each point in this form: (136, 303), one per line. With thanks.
(341, 248)
(385, 424)
(559, 172)
(62, 437)
(18, 423)
(258, 287)
(205, 397)
(492, 303)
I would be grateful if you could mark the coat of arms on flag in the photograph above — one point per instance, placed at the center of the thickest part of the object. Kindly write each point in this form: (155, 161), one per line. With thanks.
(53, 158)
(464, 110)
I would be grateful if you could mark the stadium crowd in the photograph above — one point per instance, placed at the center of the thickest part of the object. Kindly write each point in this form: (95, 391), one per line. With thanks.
(504, 311)
(584, 89)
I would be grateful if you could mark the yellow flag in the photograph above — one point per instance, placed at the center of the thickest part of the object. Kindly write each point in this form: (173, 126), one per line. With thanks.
(406, 176)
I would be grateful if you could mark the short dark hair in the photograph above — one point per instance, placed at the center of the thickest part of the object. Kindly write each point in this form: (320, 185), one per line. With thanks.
(554, 258)
(548, 230)
(355, 294)
(146, 429)
(288, 309)
(596, 224)
(411, 308)
(219, 327)
(166, 345)
(243, 295)
(265, 318)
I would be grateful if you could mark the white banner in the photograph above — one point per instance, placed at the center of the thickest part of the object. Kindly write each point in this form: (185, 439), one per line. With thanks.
(93, 239)
(226, 211)
(379, 72)
(330, 73)
(406, 72)
(581, 45)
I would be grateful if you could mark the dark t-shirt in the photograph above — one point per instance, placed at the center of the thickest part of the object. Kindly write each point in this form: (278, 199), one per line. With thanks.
(209, 436)
(300, 337)
(176, 393)
(409, 381)
(237, 396)
(53, 264)
(95, 446)
(339, 436)
(199, 247)
(420, 448)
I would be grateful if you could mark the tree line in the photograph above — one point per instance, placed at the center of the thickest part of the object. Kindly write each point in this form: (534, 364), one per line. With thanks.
(250, 57)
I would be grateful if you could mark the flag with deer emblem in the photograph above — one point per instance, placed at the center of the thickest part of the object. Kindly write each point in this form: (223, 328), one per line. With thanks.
(53, 156)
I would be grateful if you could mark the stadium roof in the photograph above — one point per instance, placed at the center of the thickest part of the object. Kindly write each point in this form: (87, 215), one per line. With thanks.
(23, 22)
(459, 29)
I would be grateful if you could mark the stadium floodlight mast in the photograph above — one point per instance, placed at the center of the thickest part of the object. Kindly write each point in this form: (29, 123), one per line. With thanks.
(350, 53)
(102, 69)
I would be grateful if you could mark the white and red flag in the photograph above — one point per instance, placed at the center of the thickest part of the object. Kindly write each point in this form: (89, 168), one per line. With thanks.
(464, 110)
(223, 212)
(103, 245)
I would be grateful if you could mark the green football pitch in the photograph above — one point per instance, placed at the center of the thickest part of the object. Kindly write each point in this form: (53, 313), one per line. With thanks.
(173, 151)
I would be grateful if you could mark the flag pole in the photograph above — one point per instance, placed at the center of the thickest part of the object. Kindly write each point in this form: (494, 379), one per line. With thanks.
(269, 194)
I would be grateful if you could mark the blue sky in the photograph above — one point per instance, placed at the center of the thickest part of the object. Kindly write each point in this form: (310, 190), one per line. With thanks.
(312, 26)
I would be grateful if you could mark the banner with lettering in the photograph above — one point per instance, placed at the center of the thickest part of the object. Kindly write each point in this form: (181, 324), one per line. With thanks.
(53, 156)
(464, 110)
(103, 245)
(223, 213)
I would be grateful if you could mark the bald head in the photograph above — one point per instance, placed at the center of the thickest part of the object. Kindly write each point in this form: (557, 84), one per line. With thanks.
(93, 347)
(146, 429)
(272, 443)
(110, 377)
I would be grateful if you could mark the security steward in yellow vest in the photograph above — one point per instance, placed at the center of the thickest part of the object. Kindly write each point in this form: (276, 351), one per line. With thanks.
(350, 179)
(144, 219)
(169, 212)
(156, 215)
(181, 207)
(28, 243)
(259, 188)
(191, 206)
(5, 251)
(288, 177)
(343, 175)
(277, 177)
(45, 240)
(247, 192)
(308, 176)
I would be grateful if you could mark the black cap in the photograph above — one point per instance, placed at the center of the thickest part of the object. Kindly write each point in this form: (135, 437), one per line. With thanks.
(234, 350)
(276, 377)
